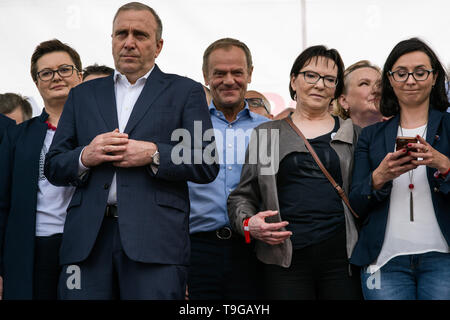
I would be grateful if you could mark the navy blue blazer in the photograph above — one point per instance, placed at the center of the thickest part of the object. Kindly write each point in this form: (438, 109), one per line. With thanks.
(19, 158)
(372, 206)
(5, 122)
(153, 209)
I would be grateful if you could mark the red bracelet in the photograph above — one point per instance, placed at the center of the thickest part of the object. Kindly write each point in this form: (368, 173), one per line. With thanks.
(438, 174)
(247, 231)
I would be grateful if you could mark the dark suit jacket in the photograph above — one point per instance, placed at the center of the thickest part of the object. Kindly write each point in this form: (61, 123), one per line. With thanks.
(374, 143)
(19, 158)
(153, 209)
(5, 122)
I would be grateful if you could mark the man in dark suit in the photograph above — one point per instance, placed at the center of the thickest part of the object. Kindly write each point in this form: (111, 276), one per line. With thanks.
(126, 233)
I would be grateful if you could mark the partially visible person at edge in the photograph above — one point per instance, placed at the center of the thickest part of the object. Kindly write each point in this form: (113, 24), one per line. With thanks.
(448, 93)
(403, 196)
(32, 210)
(95, 71)
(360, 99)
(16, 107)
(5, 122)
(303, 231)
(258, 103)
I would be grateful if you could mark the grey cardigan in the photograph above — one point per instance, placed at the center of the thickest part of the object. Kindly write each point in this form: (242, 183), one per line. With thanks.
(257, 190)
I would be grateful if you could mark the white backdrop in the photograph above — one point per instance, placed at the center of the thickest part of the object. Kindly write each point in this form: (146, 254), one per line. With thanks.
(359, 29)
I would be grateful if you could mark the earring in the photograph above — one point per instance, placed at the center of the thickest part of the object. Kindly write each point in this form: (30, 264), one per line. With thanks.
(347, 113)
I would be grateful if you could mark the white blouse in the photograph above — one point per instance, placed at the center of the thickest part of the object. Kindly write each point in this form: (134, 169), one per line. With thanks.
(52, 201)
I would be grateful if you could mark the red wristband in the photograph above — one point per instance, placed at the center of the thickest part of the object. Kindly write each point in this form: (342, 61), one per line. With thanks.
(445, 173)
(247, 231)
(438, 174)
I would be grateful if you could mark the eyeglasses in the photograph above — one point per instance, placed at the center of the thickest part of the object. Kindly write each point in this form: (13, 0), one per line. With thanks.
(257, 103)
(403, 75)
(312, 77)
(63, 71)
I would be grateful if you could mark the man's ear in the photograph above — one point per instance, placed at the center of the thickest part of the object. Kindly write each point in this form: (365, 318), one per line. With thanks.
(250, 72)
(159, 46)
(205, 78)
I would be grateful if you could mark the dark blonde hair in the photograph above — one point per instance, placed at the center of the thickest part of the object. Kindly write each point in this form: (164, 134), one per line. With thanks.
(338, 110)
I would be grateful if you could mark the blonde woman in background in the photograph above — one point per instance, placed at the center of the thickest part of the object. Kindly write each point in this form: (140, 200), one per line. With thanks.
(360, 99)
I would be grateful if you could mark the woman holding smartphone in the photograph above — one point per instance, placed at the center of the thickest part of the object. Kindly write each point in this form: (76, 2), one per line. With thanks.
(403, 196)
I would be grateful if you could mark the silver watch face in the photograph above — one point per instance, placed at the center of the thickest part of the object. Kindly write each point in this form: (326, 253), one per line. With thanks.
(155, 158)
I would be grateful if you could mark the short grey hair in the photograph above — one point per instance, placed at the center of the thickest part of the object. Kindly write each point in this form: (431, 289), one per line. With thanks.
(140, 7)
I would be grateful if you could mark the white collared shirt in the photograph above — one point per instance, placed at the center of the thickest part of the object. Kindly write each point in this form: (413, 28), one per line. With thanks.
(52, 201)
(126, 97)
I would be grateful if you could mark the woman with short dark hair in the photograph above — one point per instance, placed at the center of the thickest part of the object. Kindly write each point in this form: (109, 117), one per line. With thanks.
(32, 210)
(401, 190)
(304, 232)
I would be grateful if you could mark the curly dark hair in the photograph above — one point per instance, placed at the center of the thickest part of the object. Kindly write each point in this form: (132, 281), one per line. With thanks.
(389, 105)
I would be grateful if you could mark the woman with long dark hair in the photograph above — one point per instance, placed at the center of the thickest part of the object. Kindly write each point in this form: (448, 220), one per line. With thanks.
(402, 191)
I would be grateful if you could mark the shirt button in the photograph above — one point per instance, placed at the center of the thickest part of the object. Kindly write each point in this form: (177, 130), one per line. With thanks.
(230, 168)
(436, 189)
(230, 126)
(230, 145)
(106, 186)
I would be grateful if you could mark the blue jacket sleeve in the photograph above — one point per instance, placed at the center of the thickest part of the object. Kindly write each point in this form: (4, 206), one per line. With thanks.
(362, 196)
(194, 157)
(61, 162)
(6, 167)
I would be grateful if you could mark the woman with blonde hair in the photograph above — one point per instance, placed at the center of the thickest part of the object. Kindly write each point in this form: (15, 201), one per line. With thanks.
(360, 99)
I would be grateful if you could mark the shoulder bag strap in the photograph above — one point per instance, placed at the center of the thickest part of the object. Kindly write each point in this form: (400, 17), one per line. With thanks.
(338, 188)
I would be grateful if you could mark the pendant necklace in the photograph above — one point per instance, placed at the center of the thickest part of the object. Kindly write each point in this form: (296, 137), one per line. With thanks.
(411, 184)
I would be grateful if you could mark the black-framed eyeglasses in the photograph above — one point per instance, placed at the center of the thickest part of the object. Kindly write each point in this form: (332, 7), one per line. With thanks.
(312, 77)
(403, 75)
(63, 71)
(257, 103)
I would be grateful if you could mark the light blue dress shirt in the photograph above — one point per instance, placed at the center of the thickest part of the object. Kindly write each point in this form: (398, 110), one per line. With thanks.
(209, 201)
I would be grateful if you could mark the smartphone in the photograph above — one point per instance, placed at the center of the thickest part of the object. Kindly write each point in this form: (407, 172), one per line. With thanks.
(402, 143)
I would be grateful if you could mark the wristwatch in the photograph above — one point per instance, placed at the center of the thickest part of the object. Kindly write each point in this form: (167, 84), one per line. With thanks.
(155, 158)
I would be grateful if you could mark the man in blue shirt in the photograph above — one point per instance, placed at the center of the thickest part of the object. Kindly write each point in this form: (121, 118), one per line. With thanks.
(223, 266)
